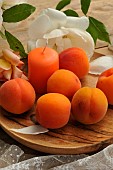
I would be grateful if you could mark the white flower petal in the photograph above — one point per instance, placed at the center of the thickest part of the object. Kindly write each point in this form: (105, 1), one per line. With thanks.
(11, 57)
(55, 33)
(33, 130)
(5, 64)
(49, 43)
(39, 27)
(62, 43)
(77, 22)
(67, 43)
(101, 64)
(59, 44)
(57, 18)
(82, 39)
(31, 45)
(7, 74)
(41, 43)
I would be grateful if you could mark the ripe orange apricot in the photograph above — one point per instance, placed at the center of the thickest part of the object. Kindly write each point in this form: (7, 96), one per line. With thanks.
(89, 105)
(53, 110)
(64, 82)
(75, 60)
(17, 96)
(105, 83)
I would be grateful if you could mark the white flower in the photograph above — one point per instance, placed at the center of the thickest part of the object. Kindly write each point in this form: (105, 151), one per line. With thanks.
(58, 31)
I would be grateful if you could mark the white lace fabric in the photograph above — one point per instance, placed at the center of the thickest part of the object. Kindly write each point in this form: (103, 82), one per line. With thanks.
(10, 156)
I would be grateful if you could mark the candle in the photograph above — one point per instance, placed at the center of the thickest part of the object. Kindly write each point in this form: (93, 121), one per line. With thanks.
(42, 63)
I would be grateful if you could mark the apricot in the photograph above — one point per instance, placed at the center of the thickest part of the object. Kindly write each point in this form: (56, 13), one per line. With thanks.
(75, 60)
(53, 110)
(105, 83)
(17, 96)
(64, 82)
(89, 105)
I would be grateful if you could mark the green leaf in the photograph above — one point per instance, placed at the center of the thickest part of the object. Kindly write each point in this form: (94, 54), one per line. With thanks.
(98, 30)
(18, 13)
(62, 4)
(2, 35)
(85, 6)
(15, 44)
(70, 12)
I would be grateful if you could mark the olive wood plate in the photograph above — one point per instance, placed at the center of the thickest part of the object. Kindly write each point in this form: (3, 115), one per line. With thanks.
(74, 138)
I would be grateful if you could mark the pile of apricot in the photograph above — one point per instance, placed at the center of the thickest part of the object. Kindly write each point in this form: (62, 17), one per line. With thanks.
(65, 95)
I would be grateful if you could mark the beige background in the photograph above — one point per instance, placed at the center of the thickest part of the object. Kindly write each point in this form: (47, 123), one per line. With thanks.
(100, 9)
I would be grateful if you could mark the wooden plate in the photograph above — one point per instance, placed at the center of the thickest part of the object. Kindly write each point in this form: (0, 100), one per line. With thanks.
(74, 138)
